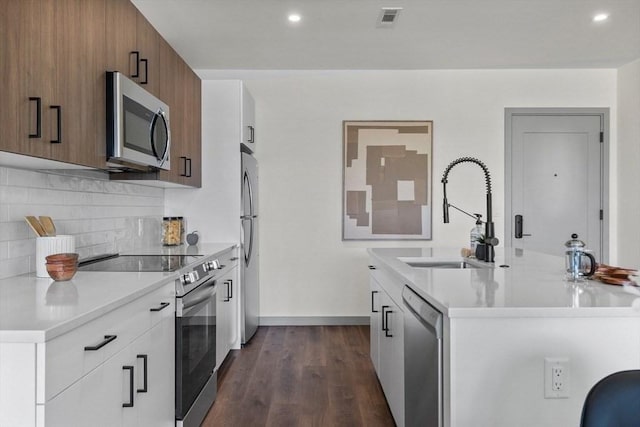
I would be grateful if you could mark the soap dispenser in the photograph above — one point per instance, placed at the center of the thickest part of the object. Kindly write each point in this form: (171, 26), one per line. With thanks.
(476, 236)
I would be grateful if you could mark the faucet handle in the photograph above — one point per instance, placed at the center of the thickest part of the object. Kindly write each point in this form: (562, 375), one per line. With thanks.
(493, 241)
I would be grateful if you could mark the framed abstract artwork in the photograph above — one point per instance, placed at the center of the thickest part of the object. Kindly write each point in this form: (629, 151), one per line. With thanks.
(387, 180)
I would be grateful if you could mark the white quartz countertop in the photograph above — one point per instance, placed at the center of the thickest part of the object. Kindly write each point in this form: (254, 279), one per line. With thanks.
(34, 309)
(532, 285)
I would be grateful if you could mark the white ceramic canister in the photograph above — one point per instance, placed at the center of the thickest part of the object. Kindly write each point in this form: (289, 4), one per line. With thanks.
(50, 245)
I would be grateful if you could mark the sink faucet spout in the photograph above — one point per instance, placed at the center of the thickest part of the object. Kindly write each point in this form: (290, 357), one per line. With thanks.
(490, 239)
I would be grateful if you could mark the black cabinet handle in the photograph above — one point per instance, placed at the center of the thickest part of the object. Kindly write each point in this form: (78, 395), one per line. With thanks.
(372, 309)
(228, 297)
(144, 358)
(372, 267)
(189, 163)
(58, 139)
(38, 133)
(107, 340)
(130, 403)
(185, 165)
(235, 258)
(146, 71)
(252, 134)
(162, 306)
(386, 318)
(383, 317)
(136, 57)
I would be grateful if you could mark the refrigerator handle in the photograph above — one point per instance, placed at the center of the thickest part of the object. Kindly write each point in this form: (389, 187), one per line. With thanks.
(247, 182)
(247, 254)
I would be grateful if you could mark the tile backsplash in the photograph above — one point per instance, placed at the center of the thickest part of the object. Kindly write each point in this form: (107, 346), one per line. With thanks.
(104, 216)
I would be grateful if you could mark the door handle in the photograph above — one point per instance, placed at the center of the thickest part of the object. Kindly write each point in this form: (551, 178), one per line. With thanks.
(38, 133)
(373, 310)
(58, 139)
(144, 358)
(185, 165)
(136, 56)
(384, 318)
(131, 380)
(146, 71)
(519, 225)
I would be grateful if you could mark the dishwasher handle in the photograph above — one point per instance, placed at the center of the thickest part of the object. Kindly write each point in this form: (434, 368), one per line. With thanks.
(423, 311)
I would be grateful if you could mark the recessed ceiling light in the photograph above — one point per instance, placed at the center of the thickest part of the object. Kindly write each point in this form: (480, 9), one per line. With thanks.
(294, 17)
(600, 17)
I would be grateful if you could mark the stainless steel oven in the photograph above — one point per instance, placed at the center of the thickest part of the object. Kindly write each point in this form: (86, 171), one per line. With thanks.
(196, 353)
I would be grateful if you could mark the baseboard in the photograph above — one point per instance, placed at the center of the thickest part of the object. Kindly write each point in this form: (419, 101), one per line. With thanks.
(314, 321)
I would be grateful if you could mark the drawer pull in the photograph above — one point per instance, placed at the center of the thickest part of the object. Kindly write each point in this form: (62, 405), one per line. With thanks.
(107, 340)
(144, 373)
(163, 305)
(130, 403)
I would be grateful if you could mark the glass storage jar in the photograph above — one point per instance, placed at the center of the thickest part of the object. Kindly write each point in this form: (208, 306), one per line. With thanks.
(172, 230)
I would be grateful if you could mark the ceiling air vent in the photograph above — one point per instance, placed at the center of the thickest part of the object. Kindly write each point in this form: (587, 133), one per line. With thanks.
(388, 17)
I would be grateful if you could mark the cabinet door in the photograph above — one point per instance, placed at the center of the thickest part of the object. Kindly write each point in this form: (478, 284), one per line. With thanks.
(171, 94)
(375, 325)
(392, 357)
(248, 130)
(154, 359)
(148, 43)
(120, 34)
(77, 111)
(223, 315)
(234, 309)
(27, 66)
(96, 399)
(193, 109)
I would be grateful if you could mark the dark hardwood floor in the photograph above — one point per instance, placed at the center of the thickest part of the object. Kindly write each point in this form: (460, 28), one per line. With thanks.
(301, 376)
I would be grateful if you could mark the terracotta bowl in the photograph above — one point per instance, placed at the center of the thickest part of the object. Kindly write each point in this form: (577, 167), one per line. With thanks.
(62, 257)
(61, 272)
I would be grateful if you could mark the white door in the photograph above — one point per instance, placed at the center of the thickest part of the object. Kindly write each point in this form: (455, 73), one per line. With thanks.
(555, 180)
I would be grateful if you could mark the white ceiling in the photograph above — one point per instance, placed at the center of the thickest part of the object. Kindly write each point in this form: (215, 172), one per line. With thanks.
(429, 34)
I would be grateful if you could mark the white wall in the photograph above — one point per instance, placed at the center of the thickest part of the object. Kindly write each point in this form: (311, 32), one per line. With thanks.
(306, 269)
(629, 164)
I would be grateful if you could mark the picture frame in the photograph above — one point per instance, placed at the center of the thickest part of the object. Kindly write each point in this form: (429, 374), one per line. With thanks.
(387, 180)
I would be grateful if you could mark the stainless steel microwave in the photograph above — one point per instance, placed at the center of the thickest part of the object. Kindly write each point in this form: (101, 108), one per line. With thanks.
(138, 133)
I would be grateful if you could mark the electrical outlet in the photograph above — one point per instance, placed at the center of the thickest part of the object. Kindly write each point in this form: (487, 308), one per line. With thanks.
(556, 377)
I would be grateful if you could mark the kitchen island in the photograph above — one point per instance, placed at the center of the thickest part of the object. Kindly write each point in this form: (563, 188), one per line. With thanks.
(503, 326)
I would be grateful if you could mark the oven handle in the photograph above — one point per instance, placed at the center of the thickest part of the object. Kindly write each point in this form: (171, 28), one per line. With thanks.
(201, 295)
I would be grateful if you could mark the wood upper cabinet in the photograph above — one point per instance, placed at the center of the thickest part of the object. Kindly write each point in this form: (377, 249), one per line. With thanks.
(148, 41)
(51, 65)
(133, 45)
(120, 36)
(77, 111)
(53, 61)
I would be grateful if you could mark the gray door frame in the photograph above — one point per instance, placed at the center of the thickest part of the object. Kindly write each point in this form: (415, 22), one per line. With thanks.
(509, 113)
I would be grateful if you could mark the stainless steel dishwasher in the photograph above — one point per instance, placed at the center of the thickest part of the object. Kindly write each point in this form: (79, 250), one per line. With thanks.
(422, 362)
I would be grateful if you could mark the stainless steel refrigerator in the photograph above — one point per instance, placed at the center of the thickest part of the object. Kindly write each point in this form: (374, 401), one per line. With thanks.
(250, 301)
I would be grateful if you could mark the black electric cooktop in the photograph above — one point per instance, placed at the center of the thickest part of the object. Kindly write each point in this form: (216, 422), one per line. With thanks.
(115, 262)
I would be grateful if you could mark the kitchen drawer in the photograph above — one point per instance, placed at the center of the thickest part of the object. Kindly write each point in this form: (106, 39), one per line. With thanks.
(64, 360)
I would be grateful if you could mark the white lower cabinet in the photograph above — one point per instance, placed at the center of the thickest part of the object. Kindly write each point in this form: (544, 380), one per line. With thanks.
(133, 387)
(227, 307)
(387, 347)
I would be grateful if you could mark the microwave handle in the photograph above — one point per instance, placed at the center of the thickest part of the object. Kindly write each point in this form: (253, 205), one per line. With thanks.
(159, 116)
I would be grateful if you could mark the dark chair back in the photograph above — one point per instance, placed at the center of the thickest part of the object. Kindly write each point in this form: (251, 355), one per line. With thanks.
(613, 402)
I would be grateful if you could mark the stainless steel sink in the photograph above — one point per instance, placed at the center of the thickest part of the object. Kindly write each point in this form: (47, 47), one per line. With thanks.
(439, 263)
